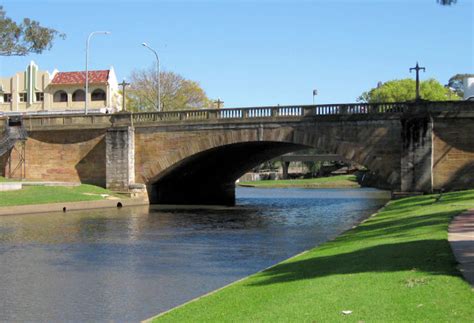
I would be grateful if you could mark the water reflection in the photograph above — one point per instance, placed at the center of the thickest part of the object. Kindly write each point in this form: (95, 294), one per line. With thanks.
(130, 263)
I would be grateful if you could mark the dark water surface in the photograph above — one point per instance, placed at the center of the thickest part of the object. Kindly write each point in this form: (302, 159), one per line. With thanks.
(132, 263)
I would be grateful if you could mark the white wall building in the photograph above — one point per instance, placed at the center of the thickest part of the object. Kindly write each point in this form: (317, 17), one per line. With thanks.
(469, 88)
(33, 91)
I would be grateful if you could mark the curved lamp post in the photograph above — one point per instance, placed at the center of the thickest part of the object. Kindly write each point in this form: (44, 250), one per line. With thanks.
(87, 67)
(158, 107)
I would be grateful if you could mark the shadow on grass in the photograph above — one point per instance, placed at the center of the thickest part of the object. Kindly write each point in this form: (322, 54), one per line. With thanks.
(397, 240)
(429, 256)
(399, 227)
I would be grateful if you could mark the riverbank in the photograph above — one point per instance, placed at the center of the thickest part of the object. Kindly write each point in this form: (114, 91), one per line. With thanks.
(395, 266)
(54, 194)
(39, 199)
(340, 181)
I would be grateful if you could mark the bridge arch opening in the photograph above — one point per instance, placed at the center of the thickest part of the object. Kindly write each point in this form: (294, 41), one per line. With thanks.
(208, 177)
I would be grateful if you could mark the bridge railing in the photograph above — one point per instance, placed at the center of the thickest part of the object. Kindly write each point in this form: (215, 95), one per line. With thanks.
(66, 120)
(270, 112)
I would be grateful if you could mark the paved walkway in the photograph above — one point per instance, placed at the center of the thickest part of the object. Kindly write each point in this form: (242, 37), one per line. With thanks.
(461, 238)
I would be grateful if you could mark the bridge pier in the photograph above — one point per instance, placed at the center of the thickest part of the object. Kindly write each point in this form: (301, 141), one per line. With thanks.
(417, 154)
(120, 158)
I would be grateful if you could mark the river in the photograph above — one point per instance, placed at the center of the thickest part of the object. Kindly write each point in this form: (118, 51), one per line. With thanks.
(129, 264)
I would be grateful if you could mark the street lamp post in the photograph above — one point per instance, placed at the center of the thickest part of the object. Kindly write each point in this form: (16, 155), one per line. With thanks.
(158, 107)
(417, 68)
(123, 85)
(315, 92)
(87, 66)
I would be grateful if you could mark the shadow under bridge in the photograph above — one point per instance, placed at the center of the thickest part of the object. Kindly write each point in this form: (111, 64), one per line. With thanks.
(208, 177)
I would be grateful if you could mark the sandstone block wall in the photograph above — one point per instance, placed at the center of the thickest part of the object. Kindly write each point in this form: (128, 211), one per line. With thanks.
(453, 153)
(69, 155)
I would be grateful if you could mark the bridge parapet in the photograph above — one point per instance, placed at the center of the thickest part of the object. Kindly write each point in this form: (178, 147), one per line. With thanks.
(279, 112)
(92, 121)
(250, 114)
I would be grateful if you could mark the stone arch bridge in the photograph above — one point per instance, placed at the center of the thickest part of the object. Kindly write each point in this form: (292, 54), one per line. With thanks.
(195, 157)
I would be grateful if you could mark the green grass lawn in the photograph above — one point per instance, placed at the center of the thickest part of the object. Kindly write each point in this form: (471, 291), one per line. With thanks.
(322, 182)
(52, 194)
(394, 267)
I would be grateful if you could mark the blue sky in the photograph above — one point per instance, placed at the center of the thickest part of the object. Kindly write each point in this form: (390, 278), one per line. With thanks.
(252, 53)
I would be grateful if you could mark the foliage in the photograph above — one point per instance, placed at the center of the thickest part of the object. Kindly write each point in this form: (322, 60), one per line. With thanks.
(446, 2)
(397, 266)
(405, 90)
(20, 39)
(456, 83)
(176, 92)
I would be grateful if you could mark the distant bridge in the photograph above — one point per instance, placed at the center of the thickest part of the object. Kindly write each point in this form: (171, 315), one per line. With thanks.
(194, 157)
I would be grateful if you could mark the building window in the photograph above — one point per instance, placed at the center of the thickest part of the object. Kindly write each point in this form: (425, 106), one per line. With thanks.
(79, 95)
(60, 96)
(7, 97)
(39, 96)
(23, 97)
(98, 95)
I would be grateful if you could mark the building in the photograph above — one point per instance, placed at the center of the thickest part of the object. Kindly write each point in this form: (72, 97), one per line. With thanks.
(469, 88)
(36, 91)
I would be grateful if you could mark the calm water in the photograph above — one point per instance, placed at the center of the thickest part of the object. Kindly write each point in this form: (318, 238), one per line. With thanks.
(132, 263)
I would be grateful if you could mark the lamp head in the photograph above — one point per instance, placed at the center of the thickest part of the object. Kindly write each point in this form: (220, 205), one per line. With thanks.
(145, 44)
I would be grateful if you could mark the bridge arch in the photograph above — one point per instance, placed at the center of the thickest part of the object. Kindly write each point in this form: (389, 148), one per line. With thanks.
(204, 170)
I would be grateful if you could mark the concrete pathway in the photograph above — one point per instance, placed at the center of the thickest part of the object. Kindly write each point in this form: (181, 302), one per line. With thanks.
(72, 206)
(461, 238)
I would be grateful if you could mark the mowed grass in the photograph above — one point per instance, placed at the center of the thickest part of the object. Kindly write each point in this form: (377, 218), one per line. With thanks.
(395, 267)
(52, 194)
(323, 182)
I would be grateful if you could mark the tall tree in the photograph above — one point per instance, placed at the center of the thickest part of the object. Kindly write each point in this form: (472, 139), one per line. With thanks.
(176, 92)
(20, 39)
(456, 83)
(446, 2)
(405, 90)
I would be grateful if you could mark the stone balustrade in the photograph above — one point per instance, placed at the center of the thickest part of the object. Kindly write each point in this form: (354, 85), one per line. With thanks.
(250, 114)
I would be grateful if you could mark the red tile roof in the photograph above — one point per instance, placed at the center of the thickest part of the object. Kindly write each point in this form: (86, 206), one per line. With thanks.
(95, 77)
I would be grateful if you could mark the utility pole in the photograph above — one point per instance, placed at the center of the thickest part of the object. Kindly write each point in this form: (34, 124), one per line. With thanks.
(417, 68)
(123, 85)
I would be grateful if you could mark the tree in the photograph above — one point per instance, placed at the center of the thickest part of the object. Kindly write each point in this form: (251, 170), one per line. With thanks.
(446, 2)
(405, 90)
(176, 92)
(456, 83)
(24, 38)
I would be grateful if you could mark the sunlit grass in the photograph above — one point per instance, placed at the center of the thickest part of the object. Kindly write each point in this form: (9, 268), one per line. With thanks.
(52, 194)
(322, 182)
(395, 267)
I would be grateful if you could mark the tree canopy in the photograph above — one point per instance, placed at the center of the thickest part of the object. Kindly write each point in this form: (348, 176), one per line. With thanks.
(20, 39)
(405, 90)
(446, 2)
(176, 92)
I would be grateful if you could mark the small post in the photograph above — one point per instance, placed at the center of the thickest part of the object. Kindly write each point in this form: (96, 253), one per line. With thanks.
(123, 85)
(417, 68)
(315, 92)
